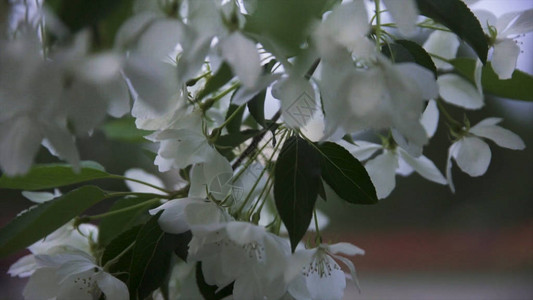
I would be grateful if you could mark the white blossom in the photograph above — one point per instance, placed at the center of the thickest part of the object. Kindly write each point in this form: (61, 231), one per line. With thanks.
(472, 154)
(314, 273)
(72, 276)
(500, 30)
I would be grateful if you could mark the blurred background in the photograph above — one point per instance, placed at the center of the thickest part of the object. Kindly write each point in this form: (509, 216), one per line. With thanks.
(422, 242)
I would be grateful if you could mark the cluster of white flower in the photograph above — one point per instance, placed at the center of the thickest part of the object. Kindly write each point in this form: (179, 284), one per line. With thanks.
(188, 71)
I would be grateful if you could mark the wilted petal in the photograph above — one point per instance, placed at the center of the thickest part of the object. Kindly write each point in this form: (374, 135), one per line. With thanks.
(382, 171)
(504, 58)
(473, 156)
(458, 91)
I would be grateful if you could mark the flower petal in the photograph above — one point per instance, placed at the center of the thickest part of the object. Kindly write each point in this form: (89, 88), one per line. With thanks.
(404, 13)
(423, 166)
(523, 24)
(327, 283)
(19, 143)
(458, 91)
(362, 150)
(444, 44)
(142, 175)
(472, 156)
(504, 58)
(345, 248)
(42, 285)
(430, 118)
(241, 54)
(112, 287)
(501, 136)
(382, 171)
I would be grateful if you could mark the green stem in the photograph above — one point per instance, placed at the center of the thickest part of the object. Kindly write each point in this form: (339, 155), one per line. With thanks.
(86, 219)
(209, 102)
(456, 124)
(115, 259)
(232, 116)
(378, 25)
(318, 238)
(141, 182)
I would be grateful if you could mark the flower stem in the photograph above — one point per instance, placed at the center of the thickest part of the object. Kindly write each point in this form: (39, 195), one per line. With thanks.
(86, 219)
(141, 182)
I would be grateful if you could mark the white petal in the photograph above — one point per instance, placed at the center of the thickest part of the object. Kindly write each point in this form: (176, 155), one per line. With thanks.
(19, 142)
(424, 167)
(351, 267)
(345, 248)
(154, 81)
(244, 94)
(382, 171)
(430, 118)
(362, 150)
(161, 38)
(504, 58)
(112, 287)
(327, 286)
(38, 197)
(23, 267)
(298, 103)
(443, 44)
(62, 143)
(404, 168)
(501, 136)
(298, 289)
(485, 18)
(142, 175)
(244, 233)
(173, 219)
(422, 77)
(42, 285)
(458, 91)
(473, 156)
(241, 54)
(451, 153)
(404, 13)
(487, 122)
(523, 24)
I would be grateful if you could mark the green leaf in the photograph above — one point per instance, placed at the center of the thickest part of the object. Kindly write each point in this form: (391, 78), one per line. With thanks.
(104, 17)
(235, 124)
(519, 86)
(151, 258)
(256, 106)
(416, 54)
(209, 292)
(124, 129)
(296, 180)
(43, 219)
(233, 140)
(118, 246)
(345, 174)
(284, 23)
(115, 224)
(455, 15)
(221, 77)
(54, 175)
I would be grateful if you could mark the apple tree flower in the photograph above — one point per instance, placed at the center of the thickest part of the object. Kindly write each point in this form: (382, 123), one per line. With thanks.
(314, 273)
(72, 276)
(472, 154)
(501, 30)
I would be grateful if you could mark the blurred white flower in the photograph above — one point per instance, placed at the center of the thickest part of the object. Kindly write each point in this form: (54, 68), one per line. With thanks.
(472, 154)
